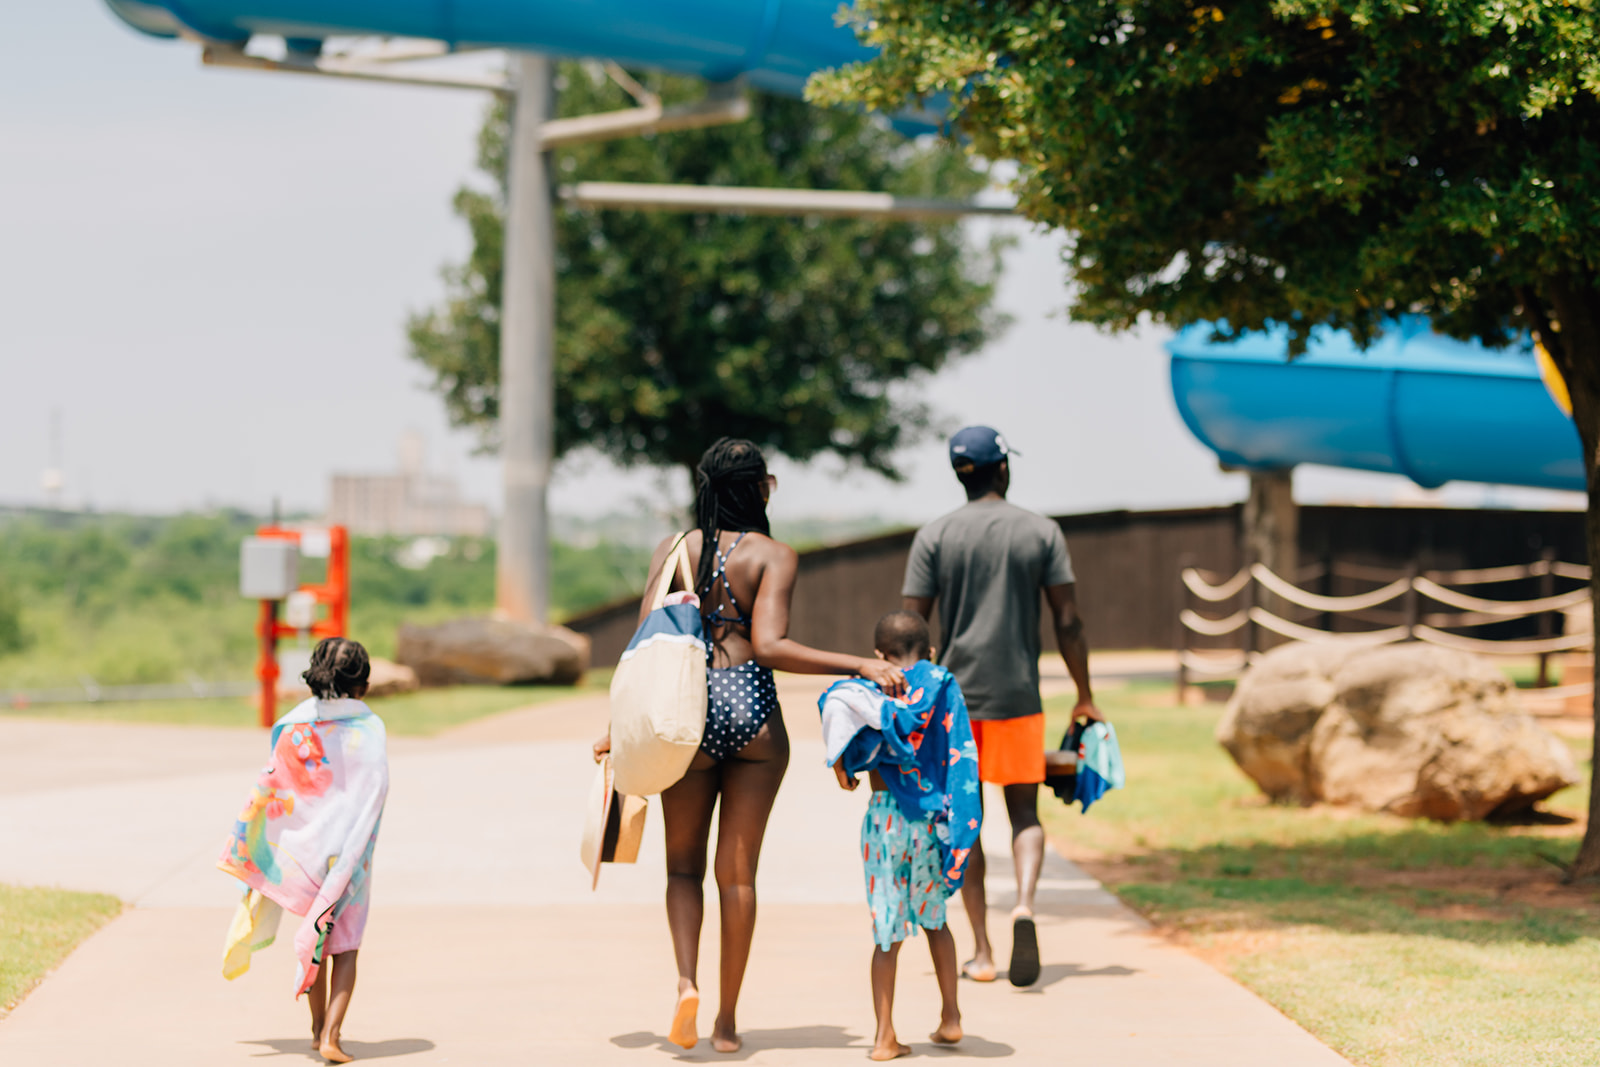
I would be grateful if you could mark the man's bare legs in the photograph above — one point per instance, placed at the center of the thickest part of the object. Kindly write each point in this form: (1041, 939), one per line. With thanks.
(980, 968)
(748, 784)
(1027, 857)
(328, 1008)
(1027, 842)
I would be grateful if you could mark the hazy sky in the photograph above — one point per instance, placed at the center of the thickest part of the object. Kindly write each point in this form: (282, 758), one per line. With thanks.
(207, 273)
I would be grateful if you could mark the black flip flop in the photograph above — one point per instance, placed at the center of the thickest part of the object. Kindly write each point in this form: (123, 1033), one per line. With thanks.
(1024, 970)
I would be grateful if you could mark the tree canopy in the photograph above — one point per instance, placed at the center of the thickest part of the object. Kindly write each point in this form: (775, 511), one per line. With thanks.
(1304, 162)
(673, 329)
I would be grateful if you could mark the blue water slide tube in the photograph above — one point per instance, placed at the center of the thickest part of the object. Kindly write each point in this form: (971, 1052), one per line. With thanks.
(1415, 403)
(774, 44)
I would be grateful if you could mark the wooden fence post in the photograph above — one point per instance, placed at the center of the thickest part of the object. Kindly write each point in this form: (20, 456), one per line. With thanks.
(1181, 638)
(1547, 588)
(1413, 612)
(1247, 641)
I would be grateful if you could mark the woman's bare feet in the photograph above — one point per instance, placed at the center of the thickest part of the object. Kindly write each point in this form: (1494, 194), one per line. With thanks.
(333, 1053)
(979, 969)
(683, 1033)
(949, 1032)
(889, 1050)
(725, 1036)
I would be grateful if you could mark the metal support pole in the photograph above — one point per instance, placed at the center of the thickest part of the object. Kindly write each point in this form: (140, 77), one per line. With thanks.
(1547, 619)
(527, 353)
(267, 661)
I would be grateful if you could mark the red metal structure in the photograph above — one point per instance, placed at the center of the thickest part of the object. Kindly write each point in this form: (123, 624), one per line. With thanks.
(334, 594)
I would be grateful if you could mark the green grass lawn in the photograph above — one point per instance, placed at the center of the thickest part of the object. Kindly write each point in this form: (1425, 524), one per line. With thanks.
(38, 928)
(1396, 942)
(422, 713)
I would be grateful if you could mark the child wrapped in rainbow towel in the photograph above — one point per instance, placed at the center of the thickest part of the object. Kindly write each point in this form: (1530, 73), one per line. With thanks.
(305, 838)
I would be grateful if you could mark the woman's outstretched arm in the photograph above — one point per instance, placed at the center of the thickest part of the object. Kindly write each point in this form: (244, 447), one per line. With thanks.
(769, 632)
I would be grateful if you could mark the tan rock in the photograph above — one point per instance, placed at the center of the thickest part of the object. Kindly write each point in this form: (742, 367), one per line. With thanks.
(389, 678)
(1267, 727)
(493, 652)
(1411, 729)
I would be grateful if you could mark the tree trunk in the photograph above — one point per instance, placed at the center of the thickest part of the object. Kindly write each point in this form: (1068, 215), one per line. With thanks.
(1271, 529)
(1572, 337)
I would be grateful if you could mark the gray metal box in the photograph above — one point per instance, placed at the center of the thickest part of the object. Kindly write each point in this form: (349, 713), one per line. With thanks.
(269, 568)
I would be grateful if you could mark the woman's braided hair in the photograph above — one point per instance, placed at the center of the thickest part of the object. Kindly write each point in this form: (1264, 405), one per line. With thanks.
(728, 496)
(339, 668)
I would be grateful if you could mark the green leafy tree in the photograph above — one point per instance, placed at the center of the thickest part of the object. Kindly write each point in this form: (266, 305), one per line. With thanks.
(1305, 162)
(673, 329)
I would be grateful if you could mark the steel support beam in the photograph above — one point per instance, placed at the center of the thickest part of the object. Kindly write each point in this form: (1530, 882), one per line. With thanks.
(748, 200)
(373, 69)
(719, 108)
(527, 351)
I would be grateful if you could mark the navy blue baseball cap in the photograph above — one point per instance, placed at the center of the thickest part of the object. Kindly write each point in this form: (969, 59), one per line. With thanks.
(978, 446)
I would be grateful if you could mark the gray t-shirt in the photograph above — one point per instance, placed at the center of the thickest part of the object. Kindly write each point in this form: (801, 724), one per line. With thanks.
(987, 564)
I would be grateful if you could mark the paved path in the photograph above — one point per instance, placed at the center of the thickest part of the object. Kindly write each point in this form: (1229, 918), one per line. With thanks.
(486, 945)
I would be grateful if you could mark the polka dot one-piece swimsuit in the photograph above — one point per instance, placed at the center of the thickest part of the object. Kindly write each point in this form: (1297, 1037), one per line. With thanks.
(741, 698)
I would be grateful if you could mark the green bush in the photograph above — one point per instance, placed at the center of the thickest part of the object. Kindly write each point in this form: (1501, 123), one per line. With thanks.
(140, 599)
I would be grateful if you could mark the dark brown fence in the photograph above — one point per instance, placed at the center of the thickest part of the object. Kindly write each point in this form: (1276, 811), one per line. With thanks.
(1127, 564)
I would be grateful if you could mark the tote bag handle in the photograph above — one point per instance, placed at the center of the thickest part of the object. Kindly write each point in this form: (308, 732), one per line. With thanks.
(677, 563)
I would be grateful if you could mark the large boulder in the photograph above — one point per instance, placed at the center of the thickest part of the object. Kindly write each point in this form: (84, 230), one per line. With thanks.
(386, 679)
(493, 652)
(1410, 729)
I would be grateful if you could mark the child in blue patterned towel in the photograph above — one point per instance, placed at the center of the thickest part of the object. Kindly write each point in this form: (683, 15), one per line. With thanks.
(924, 816)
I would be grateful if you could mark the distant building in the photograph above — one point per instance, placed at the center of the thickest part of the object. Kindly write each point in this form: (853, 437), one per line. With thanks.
(411, 503)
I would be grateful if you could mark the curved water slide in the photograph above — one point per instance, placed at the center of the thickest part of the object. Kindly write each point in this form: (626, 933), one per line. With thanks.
(773, 45)
(1416, 403)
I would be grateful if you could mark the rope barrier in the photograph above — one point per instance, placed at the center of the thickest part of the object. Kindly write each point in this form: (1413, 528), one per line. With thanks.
(1294, 631)
(1556, 692)
(1213, 627)
(1206, 591)
(1508, 608)
(1212, 665)
(1565, 643)
(1299, 597)
(1486, 575)
(1471, 611)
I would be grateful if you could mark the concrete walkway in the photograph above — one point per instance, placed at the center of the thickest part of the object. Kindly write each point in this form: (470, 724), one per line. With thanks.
(487, 946)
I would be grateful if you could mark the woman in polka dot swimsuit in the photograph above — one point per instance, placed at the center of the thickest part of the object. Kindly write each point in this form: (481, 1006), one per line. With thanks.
(745, 581)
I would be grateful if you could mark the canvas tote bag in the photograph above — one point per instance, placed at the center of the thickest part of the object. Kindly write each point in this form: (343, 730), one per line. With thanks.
(658, 693)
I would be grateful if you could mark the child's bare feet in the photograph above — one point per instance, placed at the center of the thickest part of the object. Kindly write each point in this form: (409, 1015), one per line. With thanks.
(888, 1050)
(725, 1039)
(683, 1032)
(333, 1053)
(949, 1032)
(979, 969)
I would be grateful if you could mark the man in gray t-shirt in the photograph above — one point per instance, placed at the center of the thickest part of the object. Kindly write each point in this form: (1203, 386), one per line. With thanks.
(985, 566)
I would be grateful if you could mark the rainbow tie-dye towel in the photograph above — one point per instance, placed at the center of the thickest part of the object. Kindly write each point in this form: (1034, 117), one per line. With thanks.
(305, 838)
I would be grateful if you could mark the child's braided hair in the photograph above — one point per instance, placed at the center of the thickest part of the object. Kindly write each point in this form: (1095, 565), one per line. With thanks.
(339, 668)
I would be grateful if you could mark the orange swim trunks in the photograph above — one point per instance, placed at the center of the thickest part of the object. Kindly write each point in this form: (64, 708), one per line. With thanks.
(1010, 751)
